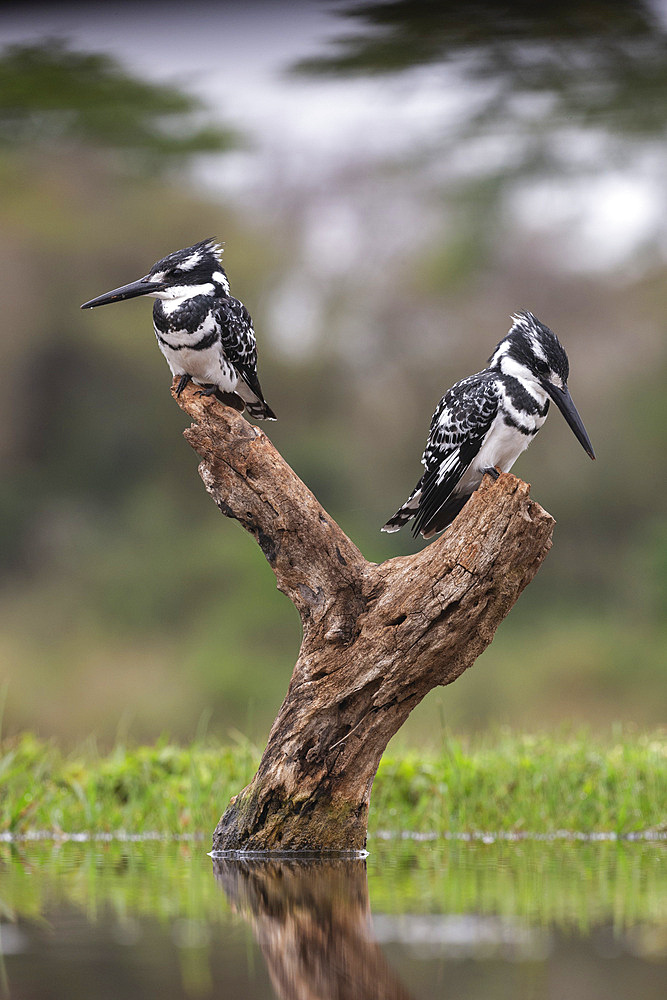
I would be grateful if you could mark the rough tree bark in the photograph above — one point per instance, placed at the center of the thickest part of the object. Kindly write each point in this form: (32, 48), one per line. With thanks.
(376, 638)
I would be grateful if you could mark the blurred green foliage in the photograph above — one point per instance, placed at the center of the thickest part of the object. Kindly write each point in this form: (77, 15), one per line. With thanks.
(53, 94)
(158, 789)
(505, 783)
(598, 63)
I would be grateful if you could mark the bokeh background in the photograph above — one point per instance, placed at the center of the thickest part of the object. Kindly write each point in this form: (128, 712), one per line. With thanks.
(391, 181)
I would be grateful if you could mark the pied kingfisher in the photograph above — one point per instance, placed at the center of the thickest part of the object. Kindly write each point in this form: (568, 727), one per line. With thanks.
(484, 422)
(204, 333)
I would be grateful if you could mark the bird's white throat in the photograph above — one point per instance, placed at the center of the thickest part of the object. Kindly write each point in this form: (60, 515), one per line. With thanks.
(173, 298)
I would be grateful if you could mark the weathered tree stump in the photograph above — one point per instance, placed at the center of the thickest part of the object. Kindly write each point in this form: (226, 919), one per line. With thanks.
(376, 638)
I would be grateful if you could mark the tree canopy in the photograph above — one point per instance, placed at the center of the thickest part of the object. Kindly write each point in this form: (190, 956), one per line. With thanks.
(53, 94)
(602, 62)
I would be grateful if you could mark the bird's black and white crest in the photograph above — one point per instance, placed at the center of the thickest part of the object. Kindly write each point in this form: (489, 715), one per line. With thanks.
(535, 347)
(484, 422)
(194, 267)
(204, 333)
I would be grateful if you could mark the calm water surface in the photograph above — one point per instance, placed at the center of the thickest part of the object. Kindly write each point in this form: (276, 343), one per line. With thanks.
(413, 920)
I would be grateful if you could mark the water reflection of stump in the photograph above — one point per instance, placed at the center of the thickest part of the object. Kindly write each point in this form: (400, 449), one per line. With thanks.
(312, 921)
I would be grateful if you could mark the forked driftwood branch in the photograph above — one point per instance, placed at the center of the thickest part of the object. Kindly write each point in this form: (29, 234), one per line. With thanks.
(376, 638)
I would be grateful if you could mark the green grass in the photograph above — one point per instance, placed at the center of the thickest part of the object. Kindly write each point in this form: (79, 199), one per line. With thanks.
(507, 783)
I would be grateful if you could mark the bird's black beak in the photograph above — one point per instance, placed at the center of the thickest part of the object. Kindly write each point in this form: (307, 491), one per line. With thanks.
(565, 404)
(144, 286)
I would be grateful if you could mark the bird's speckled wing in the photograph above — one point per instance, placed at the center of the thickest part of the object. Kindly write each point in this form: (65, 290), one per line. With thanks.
(237, 338)
(237, 335)
(238, 341)
(461, 421)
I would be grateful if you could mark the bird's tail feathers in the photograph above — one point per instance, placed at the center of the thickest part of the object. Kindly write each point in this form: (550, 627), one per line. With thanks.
(443, 516)
(254, 400)
(260, 410)
(404, 513)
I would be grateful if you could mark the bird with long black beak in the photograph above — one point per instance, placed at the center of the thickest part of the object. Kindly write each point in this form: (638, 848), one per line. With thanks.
(205, 334)
(483, 423)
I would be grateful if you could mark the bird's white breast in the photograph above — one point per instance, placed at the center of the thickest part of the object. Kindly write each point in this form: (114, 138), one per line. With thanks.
(207, 366)
(501, 447)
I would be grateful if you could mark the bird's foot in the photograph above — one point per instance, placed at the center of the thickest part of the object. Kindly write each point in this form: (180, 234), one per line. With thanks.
(207, 390)
(184, 379)
(492, 471)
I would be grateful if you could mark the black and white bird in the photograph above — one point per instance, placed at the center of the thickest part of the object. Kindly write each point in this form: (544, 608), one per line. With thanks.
(205, 334)
(484, 422)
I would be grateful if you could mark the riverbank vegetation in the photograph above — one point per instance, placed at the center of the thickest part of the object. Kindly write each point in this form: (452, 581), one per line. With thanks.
(506, 783)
